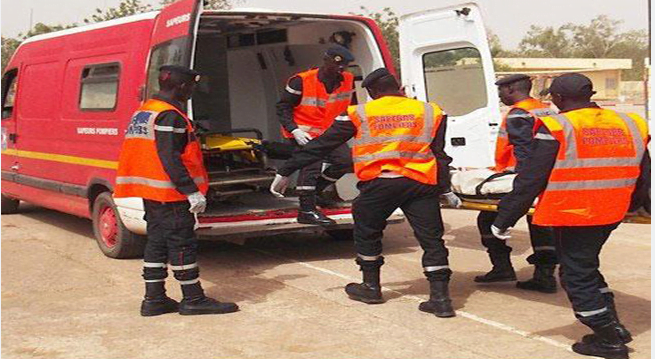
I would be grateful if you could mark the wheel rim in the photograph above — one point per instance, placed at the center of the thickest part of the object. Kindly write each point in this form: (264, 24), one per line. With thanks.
(108, 227)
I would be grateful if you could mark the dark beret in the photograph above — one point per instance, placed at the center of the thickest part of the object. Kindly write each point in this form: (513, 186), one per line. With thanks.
(339, 54)
(572, 84)
(375, 76)
(511, 79)
(188, 73)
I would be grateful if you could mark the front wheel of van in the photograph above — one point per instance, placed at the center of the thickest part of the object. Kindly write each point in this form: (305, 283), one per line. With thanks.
(9, 205)
(113, 238)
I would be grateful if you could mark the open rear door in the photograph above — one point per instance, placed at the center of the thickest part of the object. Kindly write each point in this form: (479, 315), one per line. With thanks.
(445, 59)
(173, 38)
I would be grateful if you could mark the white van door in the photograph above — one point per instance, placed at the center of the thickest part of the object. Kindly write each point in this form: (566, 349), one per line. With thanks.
(445, 58)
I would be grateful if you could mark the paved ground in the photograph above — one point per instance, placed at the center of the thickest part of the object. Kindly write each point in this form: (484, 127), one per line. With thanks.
(61, 298)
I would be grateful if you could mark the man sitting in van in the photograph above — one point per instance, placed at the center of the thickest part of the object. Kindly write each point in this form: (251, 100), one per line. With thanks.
(161, 162)
(310, 102)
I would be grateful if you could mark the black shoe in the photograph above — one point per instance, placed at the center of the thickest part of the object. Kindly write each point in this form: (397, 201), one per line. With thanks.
(329, 198)
(365, 293)
(153, 307)
(497, 275)
(315, 217)
(439, 303)
(621, 331)
(605, 344)
(206, 305)
(543, 280)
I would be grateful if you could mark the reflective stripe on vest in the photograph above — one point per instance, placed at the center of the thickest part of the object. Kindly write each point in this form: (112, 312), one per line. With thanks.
(594, 189)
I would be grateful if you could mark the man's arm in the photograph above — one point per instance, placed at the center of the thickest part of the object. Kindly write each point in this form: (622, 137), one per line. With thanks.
(520, 126)
(291, 98)
(340, 132)
(171, 138)
(641, 194)
(530, 181)
(443, 160)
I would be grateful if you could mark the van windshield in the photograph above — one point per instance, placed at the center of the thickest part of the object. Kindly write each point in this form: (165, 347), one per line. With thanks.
(454, 79)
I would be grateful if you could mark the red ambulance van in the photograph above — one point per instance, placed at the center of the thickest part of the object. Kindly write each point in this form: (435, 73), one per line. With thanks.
(68, 96)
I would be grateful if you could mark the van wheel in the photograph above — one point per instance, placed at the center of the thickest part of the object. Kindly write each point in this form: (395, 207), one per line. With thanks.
(341, 234)
(113, 238)
(9, 205)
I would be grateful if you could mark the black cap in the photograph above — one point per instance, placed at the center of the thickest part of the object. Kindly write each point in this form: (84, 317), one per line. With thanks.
(572, 84)
(511, 79)
(375, 76)
(339, 54)
(188, 73)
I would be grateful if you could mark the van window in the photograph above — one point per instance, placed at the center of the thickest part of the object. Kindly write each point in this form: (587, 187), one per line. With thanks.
(8, 93)
(168, 53)
(99, 89)
(455, 80)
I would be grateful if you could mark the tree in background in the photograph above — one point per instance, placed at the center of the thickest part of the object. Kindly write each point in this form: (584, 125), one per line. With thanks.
(208, 4)
(9, 45)
(387, 20)
(546, 42)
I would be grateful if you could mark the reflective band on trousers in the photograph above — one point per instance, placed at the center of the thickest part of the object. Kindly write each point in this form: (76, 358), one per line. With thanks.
(544, 248)
(188, 282)
(368, 138)
(152, 182)
(591, 184)
(152, 281)
(591, 313)
(154, 264)
(368, 258)
(184, 267)
(571, 159)
(435, 268)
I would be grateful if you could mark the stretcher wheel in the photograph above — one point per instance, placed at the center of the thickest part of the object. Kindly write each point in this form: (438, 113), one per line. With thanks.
(113, 238)
(9, 205)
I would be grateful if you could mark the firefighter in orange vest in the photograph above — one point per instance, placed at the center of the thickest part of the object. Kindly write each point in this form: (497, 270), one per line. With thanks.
(399, 158)
(310, 102)
(588, 166)
(161, 162)
(512, 148)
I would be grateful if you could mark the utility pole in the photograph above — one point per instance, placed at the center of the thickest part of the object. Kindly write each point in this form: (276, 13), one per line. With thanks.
(32, 18)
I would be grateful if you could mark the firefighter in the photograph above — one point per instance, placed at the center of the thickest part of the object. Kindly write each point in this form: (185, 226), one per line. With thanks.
(588, 166)
(512, 148)
(161, 162)
(399, 158)
(310, 102)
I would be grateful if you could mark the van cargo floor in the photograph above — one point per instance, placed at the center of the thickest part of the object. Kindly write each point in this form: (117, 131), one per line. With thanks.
(250, 203)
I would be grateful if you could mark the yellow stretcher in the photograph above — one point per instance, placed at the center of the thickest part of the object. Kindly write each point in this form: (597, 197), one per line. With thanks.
(482, 206)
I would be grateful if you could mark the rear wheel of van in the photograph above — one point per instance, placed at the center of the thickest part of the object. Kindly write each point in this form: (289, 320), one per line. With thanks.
(341, 234)
(113, 238)
(9, 205)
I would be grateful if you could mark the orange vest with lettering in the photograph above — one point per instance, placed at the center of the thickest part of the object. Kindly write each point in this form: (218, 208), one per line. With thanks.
(394, 134)
(140, 173)
(317, 108)
(505, 158)
(596, 170)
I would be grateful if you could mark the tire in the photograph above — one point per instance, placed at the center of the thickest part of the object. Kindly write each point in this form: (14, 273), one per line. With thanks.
(9, 205)
(341, 234)
(113, 238)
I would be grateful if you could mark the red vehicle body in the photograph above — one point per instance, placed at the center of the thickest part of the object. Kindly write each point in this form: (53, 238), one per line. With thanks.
(68, 97)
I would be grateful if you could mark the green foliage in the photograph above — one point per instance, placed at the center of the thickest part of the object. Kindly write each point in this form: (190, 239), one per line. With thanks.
(125, 8)
(546, 42)
(208, 4)
(9, 45)
(387, 20)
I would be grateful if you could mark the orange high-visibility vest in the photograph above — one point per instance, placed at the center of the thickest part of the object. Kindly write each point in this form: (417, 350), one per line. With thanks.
(394, 134)
(505, 158)
(596, 170)
(317, 108)
(140, 173)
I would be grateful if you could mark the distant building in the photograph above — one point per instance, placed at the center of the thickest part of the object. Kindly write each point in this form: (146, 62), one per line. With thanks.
(604, 73)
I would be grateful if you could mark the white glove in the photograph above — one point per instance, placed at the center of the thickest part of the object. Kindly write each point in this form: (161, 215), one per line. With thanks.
(452, 200)
(198, 202)
(279, 185)
(504, 234)
(301, 136)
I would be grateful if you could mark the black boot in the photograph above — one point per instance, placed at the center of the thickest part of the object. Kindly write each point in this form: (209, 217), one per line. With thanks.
(543, 280)
(623, 333)
(329, 198)
(156, 302)
(606, 344)
(502, 269)
(308, 214)
(439, 303)
(369, 291)
(196, 303)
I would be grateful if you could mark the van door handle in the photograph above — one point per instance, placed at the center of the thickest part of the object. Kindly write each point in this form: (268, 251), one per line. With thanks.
(15, 167)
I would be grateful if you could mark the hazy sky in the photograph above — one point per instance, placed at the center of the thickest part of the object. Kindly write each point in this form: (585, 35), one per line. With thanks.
(503, 17)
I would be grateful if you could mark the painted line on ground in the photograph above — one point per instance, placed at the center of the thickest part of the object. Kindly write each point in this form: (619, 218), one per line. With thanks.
(461, 313)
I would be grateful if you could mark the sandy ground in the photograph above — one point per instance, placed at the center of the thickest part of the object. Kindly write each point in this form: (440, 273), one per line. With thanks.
(61, 298)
